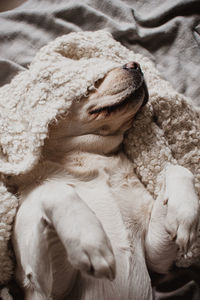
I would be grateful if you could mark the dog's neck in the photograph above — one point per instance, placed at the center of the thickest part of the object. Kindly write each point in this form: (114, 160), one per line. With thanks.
(90, 143)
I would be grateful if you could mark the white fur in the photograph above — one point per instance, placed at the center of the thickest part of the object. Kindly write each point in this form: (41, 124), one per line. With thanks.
(85, 217)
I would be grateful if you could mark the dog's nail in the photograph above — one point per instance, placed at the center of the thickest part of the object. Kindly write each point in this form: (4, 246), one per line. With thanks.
(111, 275)
(173, 236)
(165, 201)
(92, 270)
(45, 223)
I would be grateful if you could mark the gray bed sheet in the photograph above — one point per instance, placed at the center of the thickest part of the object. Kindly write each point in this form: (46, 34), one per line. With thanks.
(166, 31)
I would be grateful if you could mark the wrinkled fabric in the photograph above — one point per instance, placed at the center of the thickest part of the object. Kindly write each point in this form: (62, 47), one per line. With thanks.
(166, 31)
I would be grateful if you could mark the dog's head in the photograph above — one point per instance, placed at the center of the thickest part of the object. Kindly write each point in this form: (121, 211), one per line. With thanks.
(111, 106)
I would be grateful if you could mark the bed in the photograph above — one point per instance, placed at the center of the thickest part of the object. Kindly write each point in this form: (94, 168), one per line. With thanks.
(168, 32)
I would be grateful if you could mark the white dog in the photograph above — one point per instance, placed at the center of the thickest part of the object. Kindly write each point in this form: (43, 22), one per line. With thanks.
(85, 217)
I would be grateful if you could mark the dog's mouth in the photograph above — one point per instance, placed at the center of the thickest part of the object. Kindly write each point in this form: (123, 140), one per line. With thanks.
(124, 101)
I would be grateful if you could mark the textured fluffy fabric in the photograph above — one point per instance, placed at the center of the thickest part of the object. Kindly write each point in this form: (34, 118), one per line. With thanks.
(166, 130)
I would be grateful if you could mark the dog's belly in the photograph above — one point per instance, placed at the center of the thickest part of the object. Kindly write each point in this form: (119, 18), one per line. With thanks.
(132, 278)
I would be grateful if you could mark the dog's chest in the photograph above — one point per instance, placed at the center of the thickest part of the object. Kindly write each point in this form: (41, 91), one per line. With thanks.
(106, 184)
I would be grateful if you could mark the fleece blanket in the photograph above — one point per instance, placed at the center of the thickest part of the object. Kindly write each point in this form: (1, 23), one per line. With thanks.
(63, 72)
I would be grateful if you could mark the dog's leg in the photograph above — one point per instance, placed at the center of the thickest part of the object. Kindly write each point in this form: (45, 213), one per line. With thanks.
(87, 246)
(42, 266)
(159, 248)
(31, 249)
(182, 206)
(174, 219)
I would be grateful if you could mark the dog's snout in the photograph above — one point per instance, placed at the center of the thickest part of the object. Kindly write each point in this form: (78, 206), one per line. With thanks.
(132, 66)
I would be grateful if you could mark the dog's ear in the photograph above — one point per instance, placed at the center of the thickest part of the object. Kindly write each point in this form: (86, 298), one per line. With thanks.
(146, 94)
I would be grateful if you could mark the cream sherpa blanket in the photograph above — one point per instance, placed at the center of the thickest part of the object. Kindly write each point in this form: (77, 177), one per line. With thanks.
(166, 130)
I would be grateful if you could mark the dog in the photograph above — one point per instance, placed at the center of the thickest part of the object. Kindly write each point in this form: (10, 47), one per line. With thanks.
(86, 227)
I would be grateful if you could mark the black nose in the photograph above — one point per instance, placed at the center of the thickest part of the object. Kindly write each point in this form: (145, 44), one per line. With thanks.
(132, 66)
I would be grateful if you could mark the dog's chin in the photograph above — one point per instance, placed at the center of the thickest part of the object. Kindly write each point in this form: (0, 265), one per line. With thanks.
(139, 96)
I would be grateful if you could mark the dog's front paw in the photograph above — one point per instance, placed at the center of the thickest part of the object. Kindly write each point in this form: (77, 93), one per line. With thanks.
(90, 251)
(182, 208)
